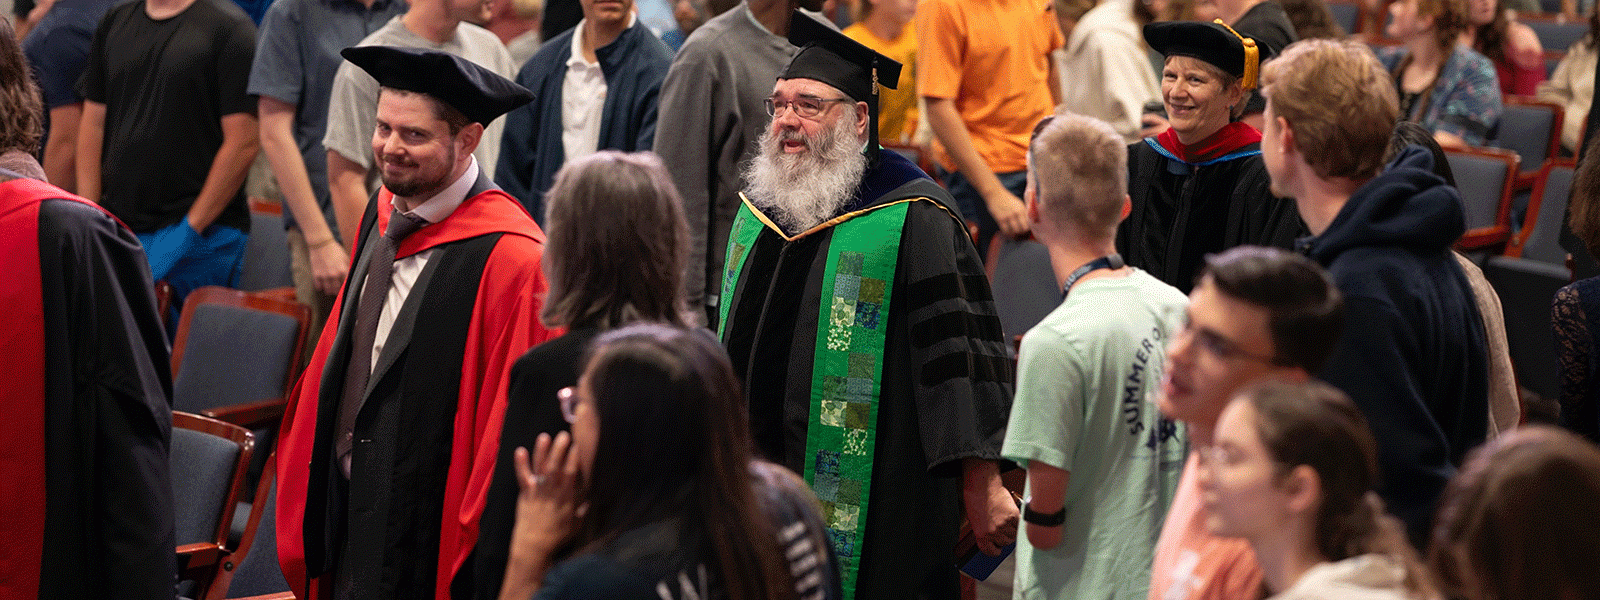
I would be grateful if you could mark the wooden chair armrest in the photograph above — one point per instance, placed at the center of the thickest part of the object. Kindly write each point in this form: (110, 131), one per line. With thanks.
(1483, 237)
(249, 415)
(1524, 181)
(281, 293)
(200, 555)
(1527, 180)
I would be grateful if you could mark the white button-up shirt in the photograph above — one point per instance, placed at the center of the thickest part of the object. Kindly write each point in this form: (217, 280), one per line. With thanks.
(583, 100)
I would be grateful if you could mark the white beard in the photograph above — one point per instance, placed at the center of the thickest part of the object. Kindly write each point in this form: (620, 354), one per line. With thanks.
(802, 190)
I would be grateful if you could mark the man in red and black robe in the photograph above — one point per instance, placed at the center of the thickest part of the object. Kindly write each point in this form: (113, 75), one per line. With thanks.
(88, 424)
(381, 500)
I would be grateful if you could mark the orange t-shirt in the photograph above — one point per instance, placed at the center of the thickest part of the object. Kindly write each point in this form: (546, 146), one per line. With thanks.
(897, 108)
(992, 57)
(1192, 564)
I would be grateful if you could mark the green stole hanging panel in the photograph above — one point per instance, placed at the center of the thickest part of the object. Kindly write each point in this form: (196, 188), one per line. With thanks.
(847, 367)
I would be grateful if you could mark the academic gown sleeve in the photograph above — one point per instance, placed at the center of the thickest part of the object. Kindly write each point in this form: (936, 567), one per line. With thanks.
(531, 409)
(960, 368)
(1270, 220)
(109, 518)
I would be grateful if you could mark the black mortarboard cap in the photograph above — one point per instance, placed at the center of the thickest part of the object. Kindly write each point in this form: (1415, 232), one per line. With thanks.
(833, 58)
(480, 94)
(1214, 43)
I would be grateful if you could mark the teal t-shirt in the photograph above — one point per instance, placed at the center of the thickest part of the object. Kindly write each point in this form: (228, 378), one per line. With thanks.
(1086, 383)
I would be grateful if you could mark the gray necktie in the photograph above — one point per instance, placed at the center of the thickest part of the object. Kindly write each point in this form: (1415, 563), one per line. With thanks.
(373, 294)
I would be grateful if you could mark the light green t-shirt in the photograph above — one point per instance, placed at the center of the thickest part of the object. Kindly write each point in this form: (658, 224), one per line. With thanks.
(1086, 383)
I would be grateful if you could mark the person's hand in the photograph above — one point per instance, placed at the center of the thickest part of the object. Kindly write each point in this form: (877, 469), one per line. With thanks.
(329, 265)
(1008, 213)
(994, 524)
(548, 505)
(165, 247)
(38, 12)
(1151, 125)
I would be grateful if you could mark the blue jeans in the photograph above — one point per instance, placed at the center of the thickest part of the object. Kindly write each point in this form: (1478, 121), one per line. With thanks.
(974, 209)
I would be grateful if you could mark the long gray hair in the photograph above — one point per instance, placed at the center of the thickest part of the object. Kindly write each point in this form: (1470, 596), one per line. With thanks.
(618, 243)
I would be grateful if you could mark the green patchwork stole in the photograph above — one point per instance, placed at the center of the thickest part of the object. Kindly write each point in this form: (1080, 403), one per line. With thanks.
(847, 367)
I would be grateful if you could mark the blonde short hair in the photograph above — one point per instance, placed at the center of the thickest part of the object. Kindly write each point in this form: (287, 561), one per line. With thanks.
(1080, 171)
(1339, 100)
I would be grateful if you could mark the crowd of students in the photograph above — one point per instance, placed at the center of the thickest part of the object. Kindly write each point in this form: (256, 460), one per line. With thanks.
(1268, 376)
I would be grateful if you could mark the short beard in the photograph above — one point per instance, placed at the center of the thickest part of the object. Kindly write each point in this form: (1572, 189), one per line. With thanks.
(800, 191)
(420, 186)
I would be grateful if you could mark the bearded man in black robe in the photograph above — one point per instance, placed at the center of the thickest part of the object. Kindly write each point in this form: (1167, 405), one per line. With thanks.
(861, 321)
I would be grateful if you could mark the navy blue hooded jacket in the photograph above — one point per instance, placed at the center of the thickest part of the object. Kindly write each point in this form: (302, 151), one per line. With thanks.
(531, 150)
(1412, 354)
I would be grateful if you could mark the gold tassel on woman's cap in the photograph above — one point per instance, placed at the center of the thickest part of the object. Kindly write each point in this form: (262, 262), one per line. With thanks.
(1252, 58)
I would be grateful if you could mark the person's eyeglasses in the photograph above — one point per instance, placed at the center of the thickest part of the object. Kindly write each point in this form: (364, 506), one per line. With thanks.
(569, 402)
(1221, 347)
(805, 107)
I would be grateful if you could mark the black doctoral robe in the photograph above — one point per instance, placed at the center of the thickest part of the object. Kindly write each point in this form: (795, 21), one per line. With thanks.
(107, 529)
(946, 383)
(1183, 211)
(531, 409)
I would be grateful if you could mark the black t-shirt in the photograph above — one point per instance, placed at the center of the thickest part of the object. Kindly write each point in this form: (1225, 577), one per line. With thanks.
(166, 86)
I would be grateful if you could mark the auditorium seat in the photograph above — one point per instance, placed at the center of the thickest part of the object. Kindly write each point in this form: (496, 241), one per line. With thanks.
(1527, 289)
(1539, 237)
(209, 459)
(1024, 284)
(1484, 176)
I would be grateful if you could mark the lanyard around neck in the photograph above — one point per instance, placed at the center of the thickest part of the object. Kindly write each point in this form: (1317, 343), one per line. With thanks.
(1111, 261)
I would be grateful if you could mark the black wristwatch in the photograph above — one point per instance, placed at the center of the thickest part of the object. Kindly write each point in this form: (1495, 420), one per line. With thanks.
(1039, 518)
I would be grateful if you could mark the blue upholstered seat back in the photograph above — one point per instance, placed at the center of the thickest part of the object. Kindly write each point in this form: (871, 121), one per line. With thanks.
(259, 573)
(1481, 182)
(233, 355)
(1543, 242)
(202, 471)
(1024, 286)
(266, 255)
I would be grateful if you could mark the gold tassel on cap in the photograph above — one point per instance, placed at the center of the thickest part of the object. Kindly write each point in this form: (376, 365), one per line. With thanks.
(1252, 57)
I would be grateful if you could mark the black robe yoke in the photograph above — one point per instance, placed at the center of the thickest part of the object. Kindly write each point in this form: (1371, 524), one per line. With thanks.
(946, 384)
(1183, 212)
(108, 414)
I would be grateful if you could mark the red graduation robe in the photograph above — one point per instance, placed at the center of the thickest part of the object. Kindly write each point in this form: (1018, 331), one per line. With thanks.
(22, 455)
(498, 312)
(83, 446)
